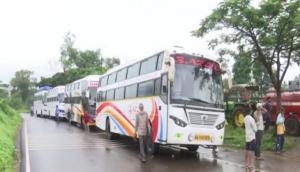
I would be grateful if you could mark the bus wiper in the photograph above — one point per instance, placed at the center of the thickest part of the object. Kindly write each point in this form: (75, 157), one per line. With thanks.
(199, 100)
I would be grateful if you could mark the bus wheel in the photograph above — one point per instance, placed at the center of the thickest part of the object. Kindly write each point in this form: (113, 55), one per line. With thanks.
(109, 135)
(192, 148)
(155, 148)
(37, 115)
(292, 126)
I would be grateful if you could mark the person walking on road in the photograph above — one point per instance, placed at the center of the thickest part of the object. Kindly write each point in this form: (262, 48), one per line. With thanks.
(57, 114)
(142, 129)
(280, 129)
(250, 130)
(258, 115)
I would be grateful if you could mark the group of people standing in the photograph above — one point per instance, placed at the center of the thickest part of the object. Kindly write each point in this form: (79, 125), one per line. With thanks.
(255, 123)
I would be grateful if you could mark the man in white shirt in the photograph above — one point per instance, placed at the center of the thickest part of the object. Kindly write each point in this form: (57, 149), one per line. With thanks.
(250, 130)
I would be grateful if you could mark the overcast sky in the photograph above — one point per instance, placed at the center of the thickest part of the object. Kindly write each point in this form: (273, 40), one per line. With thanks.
(31, 31)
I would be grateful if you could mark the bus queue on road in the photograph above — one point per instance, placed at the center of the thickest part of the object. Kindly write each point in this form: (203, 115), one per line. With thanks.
(182, 93)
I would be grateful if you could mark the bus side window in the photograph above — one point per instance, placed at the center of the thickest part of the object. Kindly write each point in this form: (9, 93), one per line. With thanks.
(164, 87)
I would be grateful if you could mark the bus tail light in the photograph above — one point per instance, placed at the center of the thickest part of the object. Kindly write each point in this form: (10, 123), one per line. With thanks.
(221, 125)
(178, 121)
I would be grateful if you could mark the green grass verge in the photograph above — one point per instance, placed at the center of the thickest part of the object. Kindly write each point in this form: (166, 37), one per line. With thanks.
(10, 121)
(235, 138)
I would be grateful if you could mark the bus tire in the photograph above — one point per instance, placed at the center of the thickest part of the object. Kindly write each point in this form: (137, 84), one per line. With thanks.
(155, 148)
(192, 148)
(292, 126)
(109, 134)
(37, 115)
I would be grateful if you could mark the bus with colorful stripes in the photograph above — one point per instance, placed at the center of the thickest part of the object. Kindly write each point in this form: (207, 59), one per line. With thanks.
(181, 92)
(80, 101)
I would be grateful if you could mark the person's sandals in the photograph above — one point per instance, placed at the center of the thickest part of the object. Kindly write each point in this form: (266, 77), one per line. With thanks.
(259, 158)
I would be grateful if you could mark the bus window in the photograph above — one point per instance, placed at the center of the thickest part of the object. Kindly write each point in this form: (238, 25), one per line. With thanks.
(104, 81)
(157, 84)
(149, 65)
(133, 70)
(119, 93)
(159, 61)
(112, 78)
(121, 75)
(103, 95)
(164, 88)
(110, 94)
(146, 88)
(131, 91)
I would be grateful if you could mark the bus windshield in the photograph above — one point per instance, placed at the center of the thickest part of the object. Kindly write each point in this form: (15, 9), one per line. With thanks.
(197, 82)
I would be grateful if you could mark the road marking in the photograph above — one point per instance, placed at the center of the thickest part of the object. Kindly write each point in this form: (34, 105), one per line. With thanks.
(26, 146)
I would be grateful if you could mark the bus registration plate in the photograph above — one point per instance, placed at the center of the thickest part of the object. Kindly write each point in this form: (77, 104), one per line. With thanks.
(200, 137)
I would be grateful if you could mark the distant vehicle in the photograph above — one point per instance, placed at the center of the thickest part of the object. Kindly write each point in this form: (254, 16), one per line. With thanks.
(290, 101)
(40, 101)
(237, 101)
(181, 92)
(80, 100)
(55, 99)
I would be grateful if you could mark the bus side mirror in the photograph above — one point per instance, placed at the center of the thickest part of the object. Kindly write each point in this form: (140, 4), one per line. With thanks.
(171, 70)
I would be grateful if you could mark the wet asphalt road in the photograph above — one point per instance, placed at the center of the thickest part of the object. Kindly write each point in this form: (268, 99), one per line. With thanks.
(65, 148)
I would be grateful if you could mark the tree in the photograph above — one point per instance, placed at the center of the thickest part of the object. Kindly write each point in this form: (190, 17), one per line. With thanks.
(69, 76)
(3, 90)
(269, 32)
(88, 59)
(111, 62)
(242, 70)
(21, 84)
(68, 53)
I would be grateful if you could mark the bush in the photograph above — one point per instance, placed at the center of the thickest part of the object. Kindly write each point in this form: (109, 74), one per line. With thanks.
(10, 121)
(235, 138)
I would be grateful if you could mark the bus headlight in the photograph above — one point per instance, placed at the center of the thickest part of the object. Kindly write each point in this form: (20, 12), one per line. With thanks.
(221, 125)
(178, 121)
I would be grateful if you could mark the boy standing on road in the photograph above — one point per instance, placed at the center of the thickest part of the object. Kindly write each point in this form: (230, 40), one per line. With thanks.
(280, 129)
(250, 130)
(143, 130)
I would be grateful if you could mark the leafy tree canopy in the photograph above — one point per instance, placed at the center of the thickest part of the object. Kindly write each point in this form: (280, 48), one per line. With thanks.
(268, 32)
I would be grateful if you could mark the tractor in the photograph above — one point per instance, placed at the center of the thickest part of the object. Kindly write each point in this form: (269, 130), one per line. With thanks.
(237, 102)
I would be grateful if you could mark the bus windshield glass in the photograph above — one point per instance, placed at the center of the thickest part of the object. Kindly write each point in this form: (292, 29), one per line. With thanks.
(197, 81)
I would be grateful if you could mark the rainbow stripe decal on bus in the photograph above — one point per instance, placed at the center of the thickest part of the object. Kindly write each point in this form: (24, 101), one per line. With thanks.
(125, 125)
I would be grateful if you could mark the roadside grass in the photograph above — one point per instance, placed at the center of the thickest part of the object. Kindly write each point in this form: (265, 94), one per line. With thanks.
(235, 138)
(10, 121)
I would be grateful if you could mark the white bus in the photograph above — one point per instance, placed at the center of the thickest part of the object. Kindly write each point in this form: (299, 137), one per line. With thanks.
(40, 101)
(55, 99)
(80, 100)
(181, 92)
